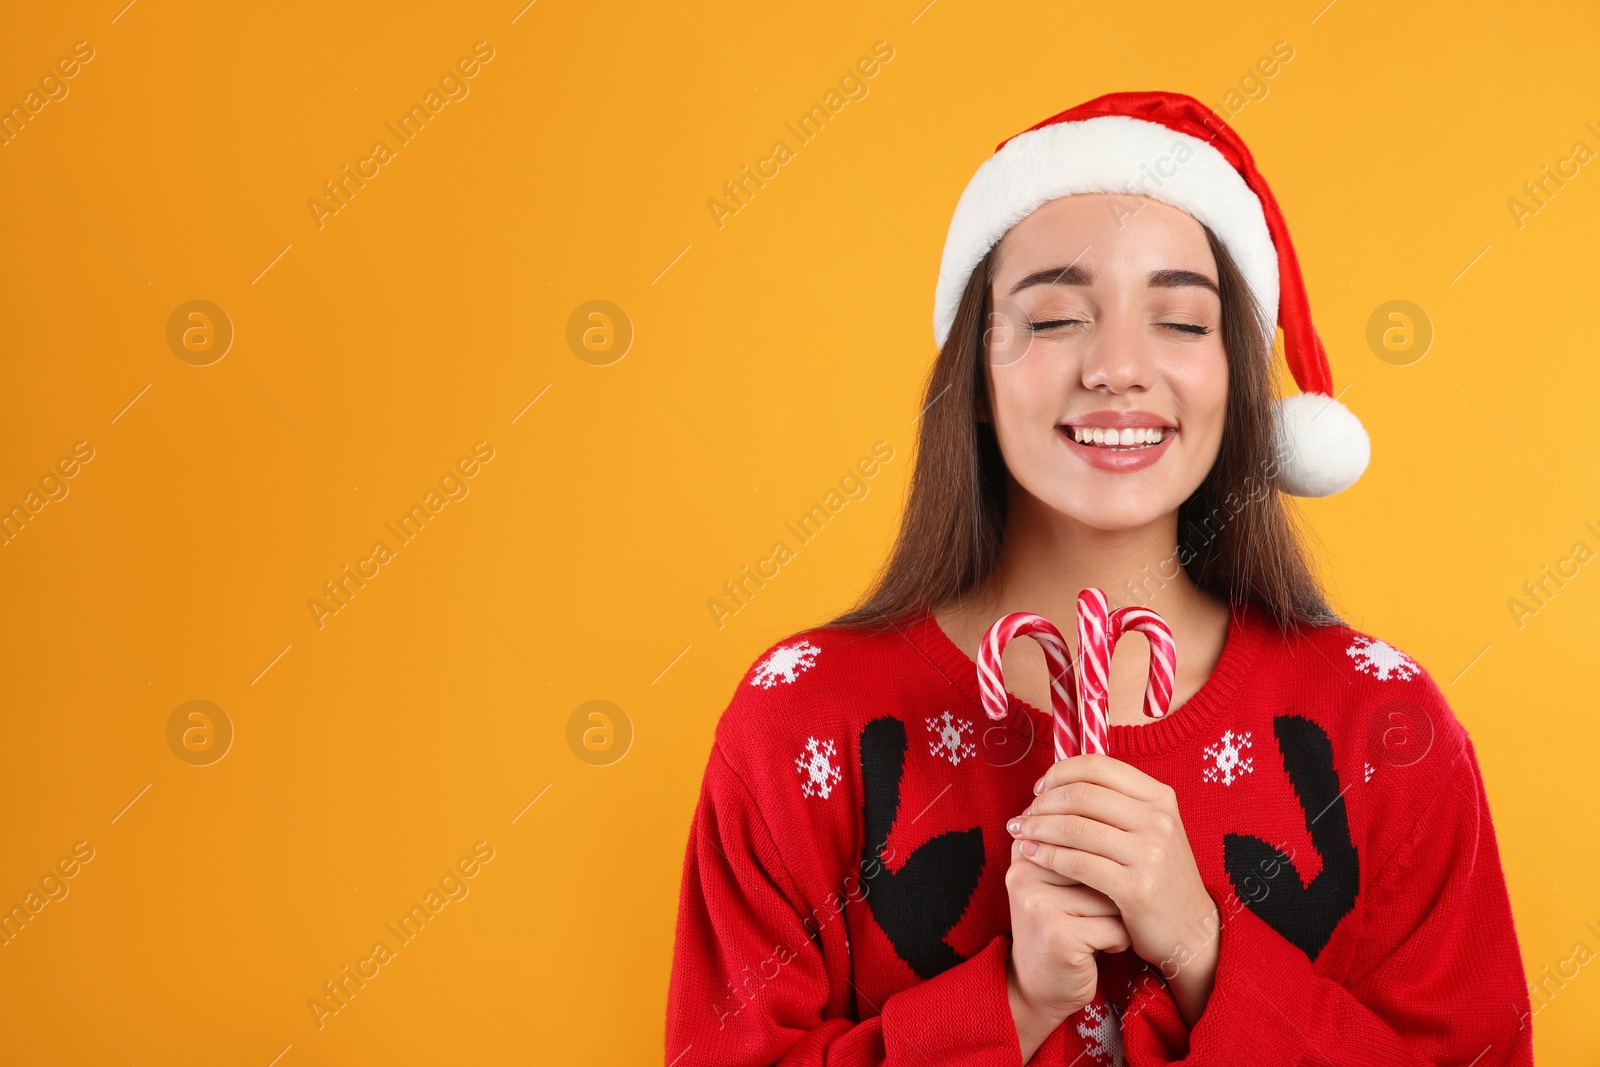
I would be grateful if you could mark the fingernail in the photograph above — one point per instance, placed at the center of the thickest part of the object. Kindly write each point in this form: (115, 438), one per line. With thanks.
(1038, 787)
(1014, 826)
(1030, 847)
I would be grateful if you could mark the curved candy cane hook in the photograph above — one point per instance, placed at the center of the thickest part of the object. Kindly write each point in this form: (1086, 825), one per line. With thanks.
(1079, 698)
(1163, 654)
(1058, 657)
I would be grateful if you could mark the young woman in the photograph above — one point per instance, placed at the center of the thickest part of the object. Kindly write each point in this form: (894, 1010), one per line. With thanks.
(1296, 864)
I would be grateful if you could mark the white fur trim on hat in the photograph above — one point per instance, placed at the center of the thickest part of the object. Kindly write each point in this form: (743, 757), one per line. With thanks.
(1105, 154)
(1321, 446)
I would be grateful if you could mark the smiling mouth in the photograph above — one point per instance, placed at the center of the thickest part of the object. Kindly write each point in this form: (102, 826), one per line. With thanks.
(1132, 439)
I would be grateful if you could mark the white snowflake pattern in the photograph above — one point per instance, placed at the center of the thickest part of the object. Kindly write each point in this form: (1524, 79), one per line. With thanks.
(1369, 769)
(1228, 762)
(816, 766)
(1381, 660)
(785, 664)
(951, 743)
(1103, 1034)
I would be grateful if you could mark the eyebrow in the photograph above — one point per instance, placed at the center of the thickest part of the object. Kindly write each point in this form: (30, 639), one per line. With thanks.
(1072, 274)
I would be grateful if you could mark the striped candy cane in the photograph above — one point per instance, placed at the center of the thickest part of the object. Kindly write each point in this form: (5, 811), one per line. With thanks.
(1063, 697)
(1095, 641)
(1163, 654)
(1079, 698)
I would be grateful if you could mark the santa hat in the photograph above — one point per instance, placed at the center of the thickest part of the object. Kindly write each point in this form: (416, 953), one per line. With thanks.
(1172, 148)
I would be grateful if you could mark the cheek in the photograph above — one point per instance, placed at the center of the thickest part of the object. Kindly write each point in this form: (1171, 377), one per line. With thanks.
(1006, 341)
(1024, 397)
(1201, 391)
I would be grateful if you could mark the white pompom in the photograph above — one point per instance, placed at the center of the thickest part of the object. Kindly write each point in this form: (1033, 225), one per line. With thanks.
(1321, 445)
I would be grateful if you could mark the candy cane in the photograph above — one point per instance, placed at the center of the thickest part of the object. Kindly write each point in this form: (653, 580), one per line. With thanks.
(1063, 698)
(1163, 654)
(1079, 698)
(1095, 643)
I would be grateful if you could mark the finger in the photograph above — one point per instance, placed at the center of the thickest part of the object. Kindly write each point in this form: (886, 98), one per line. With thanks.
(1083, 901)
(1108, 876)
(1075, 831)
(1036, 871)
(1102, 933)
(1103, 770)
(1076, 898)
(1094, 801)
(1073, 898)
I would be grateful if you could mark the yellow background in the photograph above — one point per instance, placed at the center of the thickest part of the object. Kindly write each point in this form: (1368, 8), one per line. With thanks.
(769, 354)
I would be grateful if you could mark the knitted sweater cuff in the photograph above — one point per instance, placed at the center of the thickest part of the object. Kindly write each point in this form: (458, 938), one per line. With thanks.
(1264, 997)
(961, 1018)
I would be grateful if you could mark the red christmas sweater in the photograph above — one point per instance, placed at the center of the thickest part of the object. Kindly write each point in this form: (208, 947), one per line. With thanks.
(843, 898)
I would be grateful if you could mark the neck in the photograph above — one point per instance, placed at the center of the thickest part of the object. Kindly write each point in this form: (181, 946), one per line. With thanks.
(1049, 557)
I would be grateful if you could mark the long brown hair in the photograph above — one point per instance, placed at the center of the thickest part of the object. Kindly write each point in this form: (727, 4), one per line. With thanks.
(1237, 536)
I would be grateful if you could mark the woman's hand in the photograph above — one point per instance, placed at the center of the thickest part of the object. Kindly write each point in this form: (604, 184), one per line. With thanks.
(1056, 927)
(1105, 824)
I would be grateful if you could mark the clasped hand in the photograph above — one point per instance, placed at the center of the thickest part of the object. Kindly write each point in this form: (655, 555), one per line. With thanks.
(1100, 861)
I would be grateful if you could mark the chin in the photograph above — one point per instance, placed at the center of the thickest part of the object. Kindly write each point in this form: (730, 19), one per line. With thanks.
(1116, 511)
(1119, 520)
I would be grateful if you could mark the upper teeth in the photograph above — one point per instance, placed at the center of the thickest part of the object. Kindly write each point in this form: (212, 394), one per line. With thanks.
(1137, 435)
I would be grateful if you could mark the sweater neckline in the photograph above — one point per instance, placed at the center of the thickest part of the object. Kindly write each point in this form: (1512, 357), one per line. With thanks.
(1240, 652)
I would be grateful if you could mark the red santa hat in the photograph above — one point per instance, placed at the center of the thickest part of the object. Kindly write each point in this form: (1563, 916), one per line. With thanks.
(1171, 148)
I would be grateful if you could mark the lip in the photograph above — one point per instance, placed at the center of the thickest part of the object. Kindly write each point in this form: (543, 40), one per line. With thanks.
(1110, 419)
(1108, 460)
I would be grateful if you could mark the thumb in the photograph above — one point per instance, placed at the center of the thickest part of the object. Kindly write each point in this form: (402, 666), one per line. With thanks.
(1105, 933)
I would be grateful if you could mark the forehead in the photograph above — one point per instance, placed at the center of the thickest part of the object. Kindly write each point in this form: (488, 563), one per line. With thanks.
(1104, 228)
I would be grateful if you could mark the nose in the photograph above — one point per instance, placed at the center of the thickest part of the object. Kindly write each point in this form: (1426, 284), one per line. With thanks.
(1117, 356)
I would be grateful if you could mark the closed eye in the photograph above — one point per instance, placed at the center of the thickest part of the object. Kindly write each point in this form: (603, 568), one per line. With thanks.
(1182, 327)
